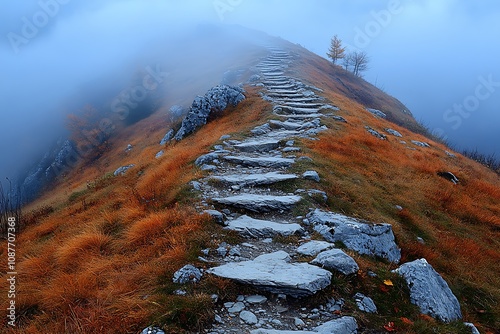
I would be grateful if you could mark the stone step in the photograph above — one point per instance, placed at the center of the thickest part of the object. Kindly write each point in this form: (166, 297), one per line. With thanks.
(260, 203)
(257, 228)
(343, 325)
(245, 180)
(268, 162)
(293, 110)
(274, 273)
(315, 105)
(300, 117)
(298, 99)
(273, 74)
(264, 145)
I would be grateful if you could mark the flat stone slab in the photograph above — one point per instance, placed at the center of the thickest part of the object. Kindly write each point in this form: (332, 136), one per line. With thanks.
(295, 110)
(270, 162)
(360, 236)
(314, 247)
(260, 203)
(343, 325)
(256, 228)
(258, 145)
(429, 291)
(336, 259)
(273, 272)
(254, 179)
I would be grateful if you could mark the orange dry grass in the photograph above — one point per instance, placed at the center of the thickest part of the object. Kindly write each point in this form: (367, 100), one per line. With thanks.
(96, 263)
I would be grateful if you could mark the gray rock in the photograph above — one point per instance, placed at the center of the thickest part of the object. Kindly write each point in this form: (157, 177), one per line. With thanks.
(236, 307)
(420, 143)
(152, 330)
(206, 158)
(254, 78)
(394, 132)
(260, 203)
(270, 162)
(257, 228)
(217, 216)
(363, 237)
(235, 251)
(169, 135)
(365, 303)
(256, 299)
(314, 247)
(176, 111)
(273, 272)
(208, 168)
(311, 175)
(261, 129)
(472, 327)
(248, 317)
(216, 100)
(188, 273)
(336, 259)
(129, 148)
(122, 170)
(449, 176)
(429, 291)
(339, 118)
(376, 133)
(159, 154)
(376, 112)
(299, 323)
(343, 325)
(262, 145)
(451, 155)
(254, 179)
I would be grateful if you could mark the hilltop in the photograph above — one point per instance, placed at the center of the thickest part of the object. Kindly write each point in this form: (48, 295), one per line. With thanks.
(310, 150)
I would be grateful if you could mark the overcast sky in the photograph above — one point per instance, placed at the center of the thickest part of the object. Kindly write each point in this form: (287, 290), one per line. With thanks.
(439, 57)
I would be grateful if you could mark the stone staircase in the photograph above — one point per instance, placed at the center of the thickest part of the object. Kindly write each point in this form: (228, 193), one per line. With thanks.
(242, 192)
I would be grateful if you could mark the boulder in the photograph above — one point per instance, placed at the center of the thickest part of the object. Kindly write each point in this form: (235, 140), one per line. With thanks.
(122, 170)
(274, 273)
(311, 175)
(216, 100)
(429, 291)
(449, 176)
(394, 132)
(420, 143)
(376, 133)
(360, 236)
(365, 303)
(336, 259)
(376, 112)
(169, 135)
(314, 247)
(152, 330)
(206, 158)
(188, 273)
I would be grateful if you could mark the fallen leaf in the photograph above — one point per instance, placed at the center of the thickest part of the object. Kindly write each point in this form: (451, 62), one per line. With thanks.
(406, 321)
(390, 327)
(388, 282)
(383, 288)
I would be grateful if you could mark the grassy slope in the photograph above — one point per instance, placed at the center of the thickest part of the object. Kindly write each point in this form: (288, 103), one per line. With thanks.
(102, 259)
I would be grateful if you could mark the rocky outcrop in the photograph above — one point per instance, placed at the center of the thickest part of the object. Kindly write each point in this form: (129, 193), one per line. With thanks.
(216, 100)
(258, 228)
(362, 237)
(122, 170)
(186, 274)
(273, 272)
(429, 291)
(376, 112)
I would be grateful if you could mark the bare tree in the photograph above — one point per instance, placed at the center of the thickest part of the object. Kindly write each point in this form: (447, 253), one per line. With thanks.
(336, 51)
(359, 62)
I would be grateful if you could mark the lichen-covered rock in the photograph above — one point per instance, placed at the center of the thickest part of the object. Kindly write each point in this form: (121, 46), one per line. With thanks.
(365, 303)
(216, 100)
(429, 291)
(169, 135)
(360, 236)
(188, 273)
(122, 170)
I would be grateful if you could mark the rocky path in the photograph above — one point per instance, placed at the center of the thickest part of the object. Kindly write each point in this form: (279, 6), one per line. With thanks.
(248, 190)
